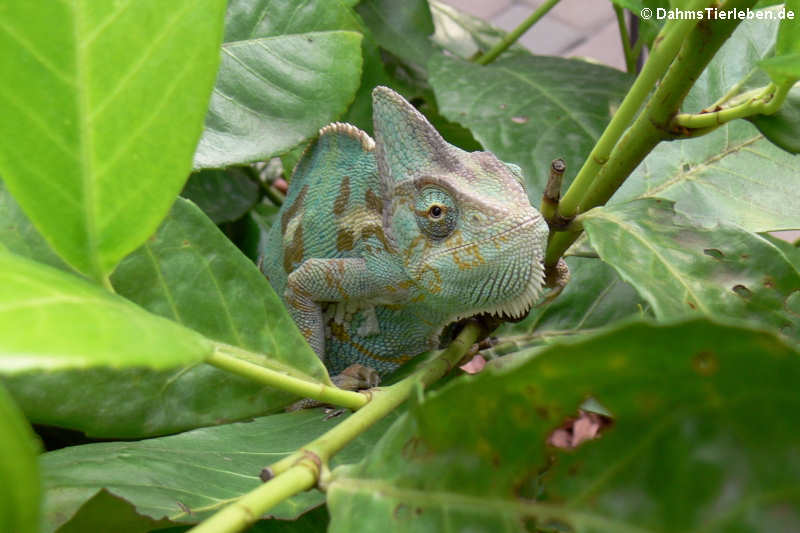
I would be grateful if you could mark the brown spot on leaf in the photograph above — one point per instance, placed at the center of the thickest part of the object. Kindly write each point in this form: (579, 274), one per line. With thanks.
(769, 282)
(705, 363)
(691, 304)
(340, 204)
(742, 291)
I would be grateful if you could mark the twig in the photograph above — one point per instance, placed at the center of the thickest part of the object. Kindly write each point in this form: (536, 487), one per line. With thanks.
(225, 357)
(512, 37)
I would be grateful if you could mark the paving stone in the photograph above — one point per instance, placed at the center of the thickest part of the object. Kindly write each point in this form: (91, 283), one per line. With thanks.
(547, 37)
(484, 9)
(603, 46)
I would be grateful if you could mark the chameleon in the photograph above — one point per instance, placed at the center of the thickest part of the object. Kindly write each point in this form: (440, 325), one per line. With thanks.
(380, 244)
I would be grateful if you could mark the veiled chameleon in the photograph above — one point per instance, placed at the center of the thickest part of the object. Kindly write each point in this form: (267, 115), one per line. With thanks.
(381, 244)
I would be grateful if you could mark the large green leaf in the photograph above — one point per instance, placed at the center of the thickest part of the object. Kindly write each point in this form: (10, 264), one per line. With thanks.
(103, 104)
(694, 445)
(462, 34)
(223, 195)
(20, 236)
(530, 109)
(403, 28)
(732, 174)
(683, 270)
(246, 19)
(188, 272)
(51, 320)
(274, 92)
(186, 477)
(20, 491)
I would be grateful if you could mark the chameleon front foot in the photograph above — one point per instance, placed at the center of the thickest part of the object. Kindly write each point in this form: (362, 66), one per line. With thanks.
(354, 378)
(556, 279)
(357, 377)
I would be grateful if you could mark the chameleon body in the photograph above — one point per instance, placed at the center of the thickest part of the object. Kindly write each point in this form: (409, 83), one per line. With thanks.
(381, 244)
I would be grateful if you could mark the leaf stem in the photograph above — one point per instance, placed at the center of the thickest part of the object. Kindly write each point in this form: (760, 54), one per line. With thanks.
(767, 101)
(225, 357)
(512, 37)
(301, 470)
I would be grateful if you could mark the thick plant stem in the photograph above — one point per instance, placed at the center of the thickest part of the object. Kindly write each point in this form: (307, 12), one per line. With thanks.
(224, 357)
(668, 43)
(650, 127)
(301, 470)
(512, 37)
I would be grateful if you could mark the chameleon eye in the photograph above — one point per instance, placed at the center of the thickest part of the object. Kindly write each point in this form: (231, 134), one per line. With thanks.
(436, 212)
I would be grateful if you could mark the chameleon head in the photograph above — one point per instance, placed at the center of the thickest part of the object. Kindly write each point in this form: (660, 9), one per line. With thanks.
(462, 222)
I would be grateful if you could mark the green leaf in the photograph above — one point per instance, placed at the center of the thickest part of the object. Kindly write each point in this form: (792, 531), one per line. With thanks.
(733, 174)
(462, 34)
(185, 478)
(50, 320)
(223, 195)
(530, 109)
(106, 512)
(245, 20)
(403, 28)
(784, 68)
(274, 92)
(782, 128)
(692, 446)
(18, 235)
(103, 106)
(684, 270)
(788, 41)
(20, 491)
(192, 274)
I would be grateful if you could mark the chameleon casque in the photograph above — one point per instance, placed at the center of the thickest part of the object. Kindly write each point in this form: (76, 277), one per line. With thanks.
(381, 244)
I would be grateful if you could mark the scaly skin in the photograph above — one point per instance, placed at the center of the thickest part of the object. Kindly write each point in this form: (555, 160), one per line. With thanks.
(380, 244)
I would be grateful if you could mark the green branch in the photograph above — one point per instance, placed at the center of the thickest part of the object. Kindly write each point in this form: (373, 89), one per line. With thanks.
(228, 358)
(630, 59)
(666, 47)
(613, 159)
(301, 470)
(512, 37)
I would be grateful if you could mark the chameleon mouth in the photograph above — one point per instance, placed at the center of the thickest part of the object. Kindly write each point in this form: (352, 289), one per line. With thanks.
(517, 308)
